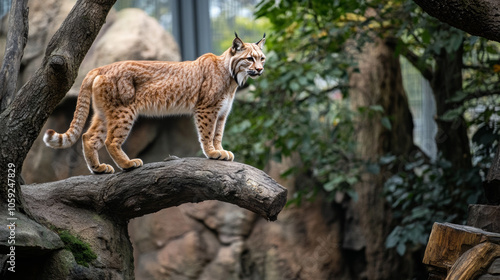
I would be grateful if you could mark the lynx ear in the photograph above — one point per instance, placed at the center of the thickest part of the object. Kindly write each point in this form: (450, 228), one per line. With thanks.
(262, 41)
(237, 44)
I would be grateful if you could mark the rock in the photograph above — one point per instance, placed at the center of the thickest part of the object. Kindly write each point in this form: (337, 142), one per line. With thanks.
(45, 17)
(226, 264)
(153, 232)
(229, 221)
(129, 34)
(485, 217)
(495, 267)
(29, 237)
(182, 258)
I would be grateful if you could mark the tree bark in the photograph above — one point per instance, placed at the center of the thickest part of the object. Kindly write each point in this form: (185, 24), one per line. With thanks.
(379, 82)
(96, 209)
(17, 37)
(451, 139)
(22, 120)
(478, 18)
(161, 185)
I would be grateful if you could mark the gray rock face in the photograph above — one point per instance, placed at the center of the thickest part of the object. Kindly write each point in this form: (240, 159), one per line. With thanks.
(129, 34)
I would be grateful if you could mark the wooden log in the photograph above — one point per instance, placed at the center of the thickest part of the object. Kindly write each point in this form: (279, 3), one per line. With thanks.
(474, 262)
(448, 242)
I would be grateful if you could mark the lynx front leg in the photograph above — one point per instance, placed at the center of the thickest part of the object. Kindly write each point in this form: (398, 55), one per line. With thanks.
(219, 131)
(205, 120)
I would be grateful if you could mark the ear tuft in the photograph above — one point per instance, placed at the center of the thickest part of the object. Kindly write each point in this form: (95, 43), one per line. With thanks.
(262, 41)
(237, 44)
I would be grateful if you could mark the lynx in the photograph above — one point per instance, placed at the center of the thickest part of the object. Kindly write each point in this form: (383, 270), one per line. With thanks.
(123, 90)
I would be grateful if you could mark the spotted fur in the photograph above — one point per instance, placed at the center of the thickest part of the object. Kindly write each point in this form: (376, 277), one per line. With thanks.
(123, 90)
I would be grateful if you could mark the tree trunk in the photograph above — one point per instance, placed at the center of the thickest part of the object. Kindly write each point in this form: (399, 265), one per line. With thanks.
(21, 121)
(379, 82)
(452, 140)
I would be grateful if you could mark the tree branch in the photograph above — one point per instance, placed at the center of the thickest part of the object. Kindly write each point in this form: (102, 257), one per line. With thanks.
(155, 186)
(475, 17)
(17, 37)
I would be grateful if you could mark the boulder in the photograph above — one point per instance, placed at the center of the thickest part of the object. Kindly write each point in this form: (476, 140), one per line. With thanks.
(129, 34)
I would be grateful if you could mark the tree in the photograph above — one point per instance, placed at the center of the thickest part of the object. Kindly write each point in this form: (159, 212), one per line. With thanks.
(105, 201)
(379, 85)
(480, 19)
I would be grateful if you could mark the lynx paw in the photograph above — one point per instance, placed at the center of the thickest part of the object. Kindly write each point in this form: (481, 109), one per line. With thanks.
(103, 169)
(221, 155)
(133, 163)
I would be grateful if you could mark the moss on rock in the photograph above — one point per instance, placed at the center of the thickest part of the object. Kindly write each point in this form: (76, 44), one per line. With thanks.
(81, 250)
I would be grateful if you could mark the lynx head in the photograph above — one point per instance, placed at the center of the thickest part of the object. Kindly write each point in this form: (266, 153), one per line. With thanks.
(247, 59)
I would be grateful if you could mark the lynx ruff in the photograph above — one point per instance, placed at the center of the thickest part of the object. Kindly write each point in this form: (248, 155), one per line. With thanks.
(121, 91)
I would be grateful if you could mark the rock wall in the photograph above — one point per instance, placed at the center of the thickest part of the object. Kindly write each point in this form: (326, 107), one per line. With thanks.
(207, 240)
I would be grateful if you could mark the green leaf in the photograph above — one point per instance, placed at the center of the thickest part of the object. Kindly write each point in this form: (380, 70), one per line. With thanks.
(377, 108)
(393, 238)
(373, 168)
(473, 40)
(451, 115)
(294, 86)
(387, 159)
(352, 194)
(426, 36)
(459, 96)
(303, 81)
(329, 186)
(401, 249)
(386, 123)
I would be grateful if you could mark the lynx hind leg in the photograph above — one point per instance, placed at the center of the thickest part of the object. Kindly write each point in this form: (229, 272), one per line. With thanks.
(119, 126)
(93, 141)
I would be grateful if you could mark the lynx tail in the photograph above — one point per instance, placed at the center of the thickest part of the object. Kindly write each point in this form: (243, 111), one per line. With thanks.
(61, 141)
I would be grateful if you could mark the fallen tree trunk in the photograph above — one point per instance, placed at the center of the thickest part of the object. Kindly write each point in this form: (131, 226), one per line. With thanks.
(161, 185)
(95, 210)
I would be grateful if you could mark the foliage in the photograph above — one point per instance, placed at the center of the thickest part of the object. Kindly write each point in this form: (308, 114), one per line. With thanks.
(246, 28)
(292, 109)
(298, 107)
(480, 99)
(301, 106)
(426, 191)
(423, 192)
(81, 251)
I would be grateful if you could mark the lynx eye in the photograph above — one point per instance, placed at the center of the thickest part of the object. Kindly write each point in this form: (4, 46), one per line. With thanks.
(250, 58)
